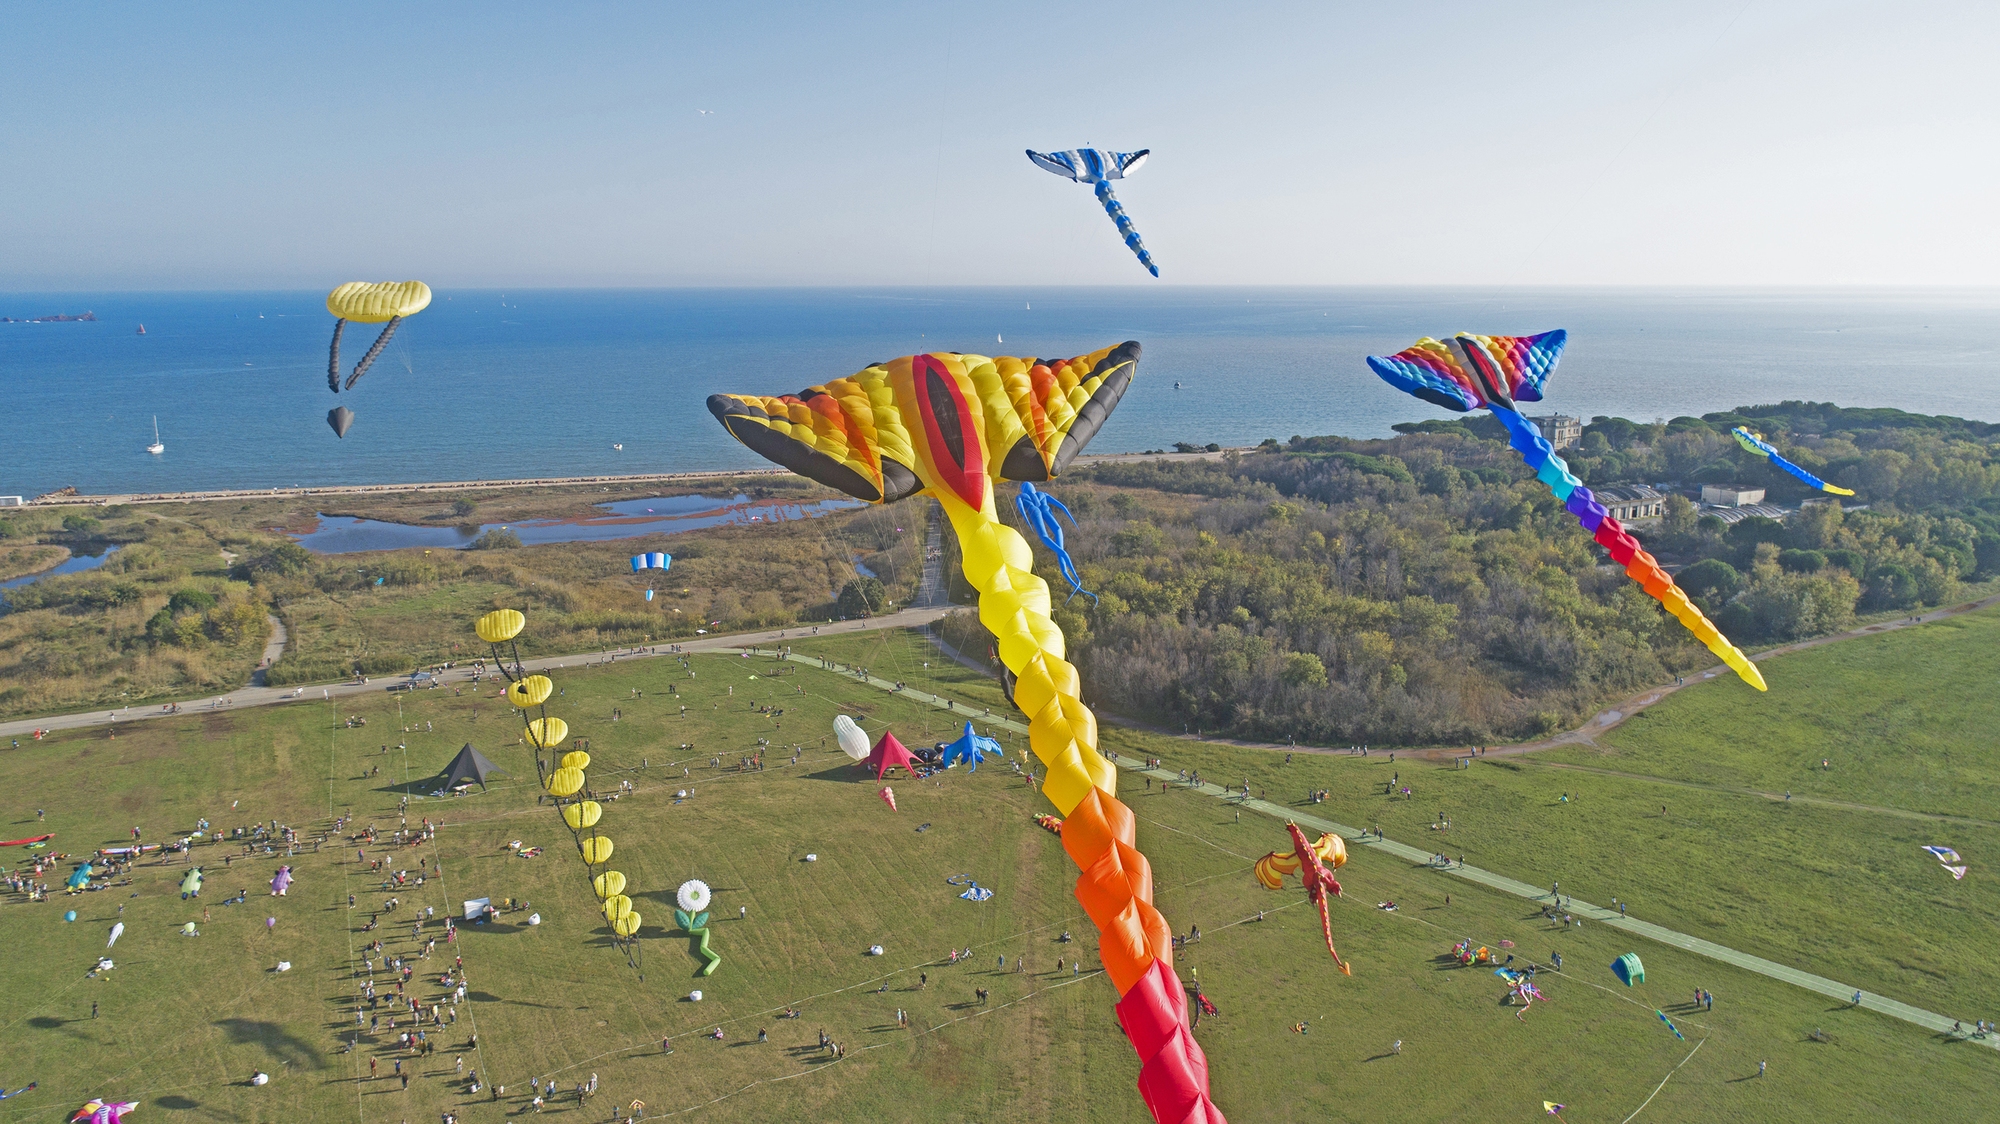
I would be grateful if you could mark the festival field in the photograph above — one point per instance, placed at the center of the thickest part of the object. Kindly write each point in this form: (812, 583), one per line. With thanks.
(1833, 882)
(182, 1022)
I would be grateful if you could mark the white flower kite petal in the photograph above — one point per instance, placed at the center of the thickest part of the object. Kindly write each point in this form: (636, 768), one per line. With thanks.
(692, 896)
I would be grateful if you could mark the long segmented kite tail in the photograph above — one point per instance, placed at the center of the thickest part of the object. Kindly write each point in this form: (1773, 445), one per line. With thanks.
(333, 358)
(1640, 566)
(1116, 886)
(1126, 230)
(368, 360)
(1756, 444)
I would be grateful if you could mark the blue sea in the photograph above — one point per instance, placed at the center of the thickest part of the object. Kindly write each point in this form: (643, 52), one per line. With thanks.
(486, 384)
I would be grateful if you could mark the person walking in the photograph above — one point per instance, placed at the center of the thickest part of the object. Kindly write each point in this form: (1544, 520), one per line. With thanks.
(1396, 1047)
(1760, 1069)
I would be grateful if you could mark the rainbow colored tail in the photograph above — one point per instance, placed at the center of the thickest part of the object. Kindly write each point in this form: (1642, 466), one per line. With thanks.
(1611, 535)
(1467, 372)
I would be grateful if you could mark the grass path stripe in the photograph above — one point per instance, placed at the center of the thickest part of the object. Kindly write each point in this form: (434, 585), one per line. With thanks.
(1917, 1016)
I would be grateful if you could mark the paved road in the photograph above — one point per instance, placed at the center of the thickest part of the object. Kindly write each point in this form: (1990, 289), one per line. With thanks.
(1929, 1020)
(270, 696)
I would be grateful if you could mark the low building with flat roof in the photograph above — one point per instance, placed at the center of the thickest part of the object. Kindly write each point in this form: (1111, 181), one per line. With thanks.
(1739, 514)
(1729, 495)
(12, 501)
(1631, 503)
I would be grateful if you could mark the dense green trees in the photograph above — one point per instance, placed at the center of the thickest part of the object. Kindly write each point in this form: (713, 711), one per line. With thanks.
(1427, 589)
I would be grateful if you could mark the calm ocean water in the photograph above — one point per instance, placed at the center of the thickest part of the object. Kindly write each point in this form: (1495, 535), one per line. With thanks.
(531, 383)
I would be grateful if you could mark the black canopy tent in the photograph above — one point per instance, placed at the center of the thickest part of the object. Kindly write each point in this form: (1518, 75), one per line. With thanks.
(469, 765)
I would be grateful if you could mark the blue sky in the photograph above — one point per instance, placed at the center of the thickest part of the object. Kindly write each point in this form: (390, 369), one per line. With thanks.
(1726, 143)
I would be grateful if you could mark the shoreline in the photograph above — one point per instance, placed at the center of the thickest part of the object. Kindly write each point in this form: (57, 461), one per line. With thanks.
(78, 499)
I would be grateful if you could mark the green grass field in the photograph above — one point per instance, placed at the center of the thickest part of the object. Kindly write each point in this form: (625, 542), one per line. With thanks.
(1831, 888)
(183, 1021)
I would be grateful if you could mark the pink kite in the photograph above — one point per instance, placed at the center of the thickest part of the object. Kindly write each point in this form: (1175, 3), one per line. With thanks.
(282, 882)
(888, 796)
(889, 754)
(103, 1112)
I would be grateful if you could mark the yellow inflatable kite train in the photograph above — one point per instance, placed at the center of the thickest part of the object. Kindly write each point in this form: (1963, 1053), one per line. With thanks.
(949, 425)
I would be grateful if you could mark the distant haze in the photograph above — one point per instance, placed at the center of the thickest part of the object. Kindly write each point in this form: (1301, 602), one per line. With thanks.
(1684, 143)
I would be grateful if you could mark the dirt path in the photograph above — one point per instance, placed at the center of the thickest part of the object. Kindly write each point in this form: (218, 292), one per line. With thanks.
(1613, 717)
(273, 648)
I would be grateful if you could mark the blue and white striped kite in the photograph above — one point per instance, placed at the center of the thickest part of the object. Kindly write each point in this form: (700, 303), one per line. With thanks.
(1096, 166)
(654, 561)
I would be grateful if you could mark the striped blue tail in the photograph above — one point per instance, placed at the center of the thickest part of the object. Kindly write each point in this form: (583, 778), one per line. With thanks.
(1125, 228)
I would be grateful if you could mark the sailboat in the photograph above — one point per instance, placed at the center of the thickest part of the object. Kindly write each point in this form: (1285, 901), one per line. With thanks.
(156, 448)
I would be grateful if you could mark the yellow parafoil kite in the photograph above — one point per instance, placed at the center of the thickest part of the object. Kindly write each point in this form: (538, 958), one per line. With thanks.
(367, 302)
(949, 425)
(563, 776)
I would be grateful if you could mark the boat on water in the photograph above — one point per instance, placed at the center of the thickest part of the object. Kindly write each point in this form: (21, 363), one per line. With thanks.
(156, 448)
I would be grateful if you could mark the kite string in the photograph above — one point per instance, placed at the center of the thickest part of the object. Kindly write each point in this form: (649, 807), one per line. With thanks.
(1663, 1082)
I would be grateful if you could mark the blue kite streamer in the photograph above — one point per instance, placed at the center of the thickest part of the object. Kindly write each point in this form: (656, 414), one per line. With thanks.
(1099, 167)
(1038, 510)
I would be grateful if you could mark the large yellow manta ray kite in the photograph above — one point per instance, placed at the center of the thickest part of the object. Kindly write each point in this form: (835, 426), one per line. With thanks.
(950, 425)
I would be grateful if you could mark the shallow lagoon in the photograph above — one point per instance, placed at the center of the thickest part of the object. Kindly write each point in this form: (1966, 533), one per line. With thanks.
(624, 519)
(74, 564)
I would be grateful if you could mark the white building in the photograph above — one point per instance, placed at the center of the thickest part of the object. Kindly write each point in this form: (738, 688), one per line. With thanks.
(1560, 430)
(12, 501)
(1729, 495)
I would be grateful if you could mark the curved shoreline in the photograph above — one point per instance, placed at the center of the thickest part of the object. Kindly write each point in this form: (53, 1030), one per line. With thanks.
(54, 499)
(77, 499)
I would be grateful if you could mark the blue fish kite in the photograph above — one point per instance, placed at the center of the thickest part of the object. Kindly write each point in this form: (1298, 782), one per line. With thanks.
(971, 748)
(1096, 166)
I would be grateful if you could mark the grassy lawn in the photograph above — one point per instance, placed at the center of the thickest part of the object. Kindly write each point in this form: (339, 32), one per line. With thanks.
(183, 1019)
(1835, 890)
